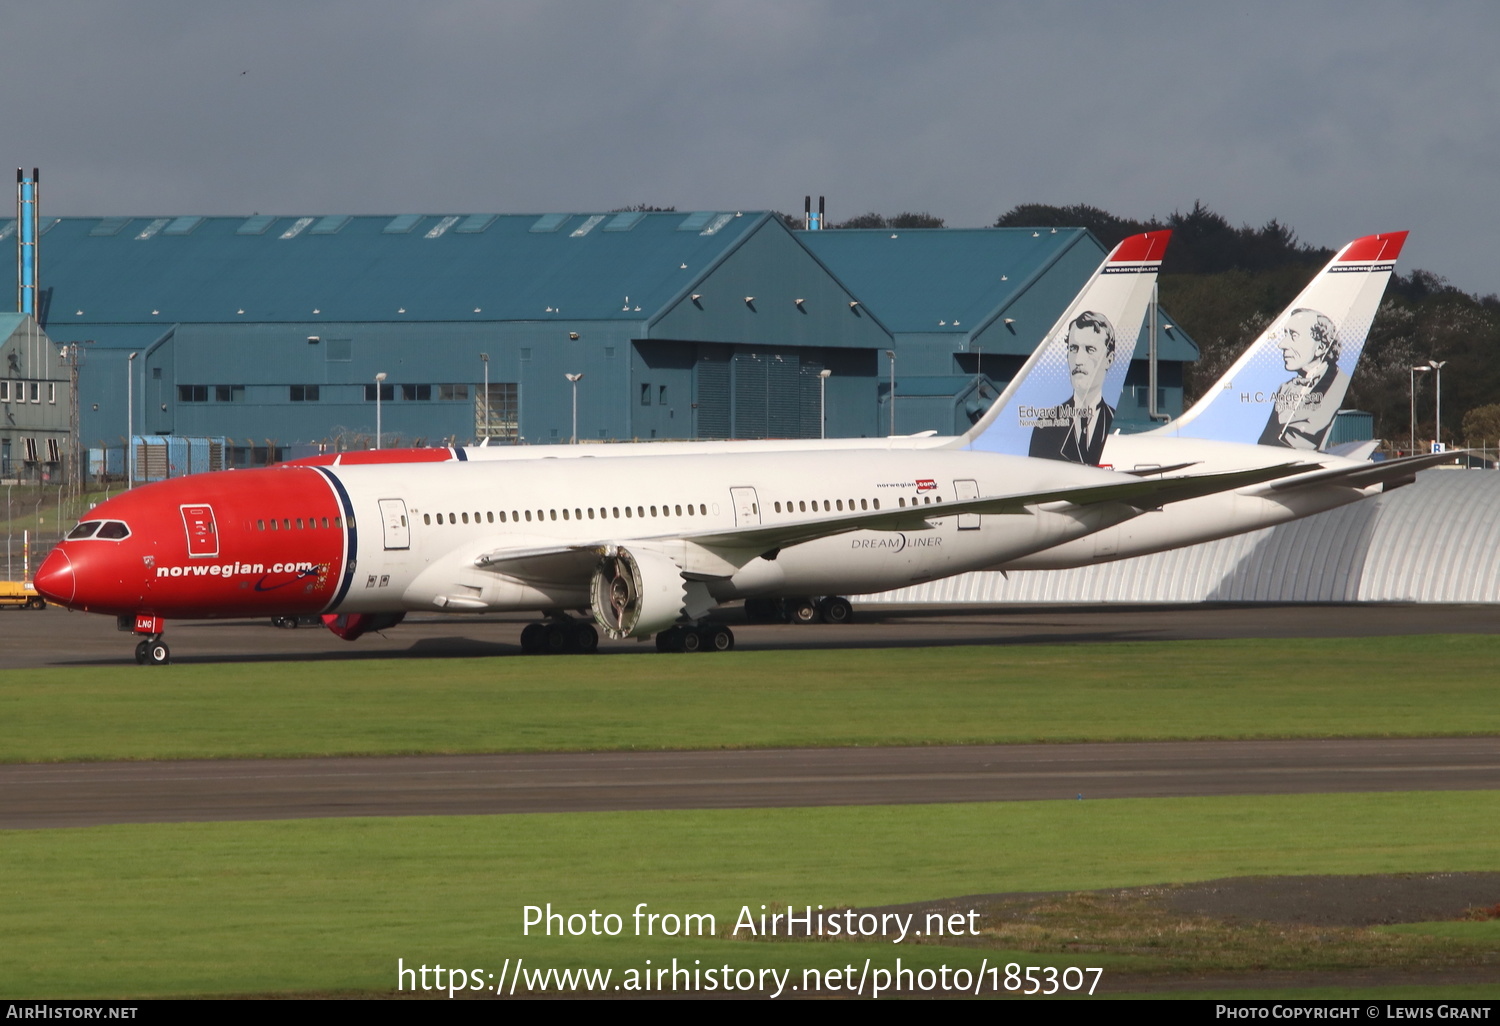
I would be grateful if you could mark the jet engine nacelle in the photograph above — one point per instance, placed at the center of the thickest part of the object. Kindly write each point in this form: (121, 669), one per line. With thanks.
(637, 593)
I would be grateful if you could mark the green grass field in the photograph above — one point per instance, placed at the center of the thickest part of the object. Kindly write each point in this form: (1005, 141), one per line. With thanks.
(330, 905)
(1406, 686)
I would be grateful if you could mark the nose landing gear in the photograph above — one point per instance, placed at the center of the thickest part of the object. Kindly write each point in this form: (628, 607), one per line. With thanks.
(154, 651)
(151, 650)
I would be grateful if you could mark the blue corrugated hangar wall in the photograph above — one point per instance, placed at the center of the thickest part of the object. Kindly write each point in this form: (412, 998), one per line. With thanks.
(270, 330)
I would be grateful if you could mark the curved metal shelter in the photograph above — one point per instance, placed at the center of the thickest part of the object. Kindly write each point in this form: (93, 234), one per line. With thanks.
(1432, 541)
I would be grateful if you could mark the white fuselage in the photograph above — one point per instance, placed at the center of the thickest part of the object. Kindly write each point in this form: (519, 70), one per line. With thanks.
(1202, 519)
(457, 513)
(1183, 523)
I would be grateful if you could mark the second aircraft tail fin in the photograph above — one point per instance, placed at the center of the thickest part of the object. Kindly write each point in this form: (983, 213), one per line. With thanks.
(1285, 389)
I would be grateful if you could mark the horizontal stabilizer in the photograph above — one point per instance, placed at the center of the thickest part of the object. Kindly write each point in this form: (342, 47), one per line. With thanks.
(1354, 450)
(1388, 472)
(1168, 469)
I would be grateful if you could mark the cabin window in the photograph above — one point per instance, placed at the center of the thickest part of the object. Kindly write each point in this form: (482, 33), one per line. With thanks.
(489, 516)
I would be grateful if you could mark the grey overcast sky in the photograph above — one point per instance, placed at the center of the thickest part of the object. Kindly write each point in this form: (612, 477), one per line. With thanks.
(1338, 118)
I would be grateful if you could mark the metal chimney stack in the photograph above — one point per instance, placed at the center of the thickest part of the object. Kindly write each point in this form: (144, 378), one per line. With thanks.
(27, 193)
(812, 222)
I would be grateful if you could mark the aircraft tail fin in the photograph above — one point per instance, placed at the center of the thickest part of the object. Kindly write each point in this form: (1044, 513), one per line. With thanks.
(1061, 402)
(1286, 388)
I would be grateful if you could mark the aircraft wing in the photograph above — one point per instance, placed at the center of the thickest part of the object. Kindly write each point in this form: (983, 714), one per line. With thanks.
(1391, 473)
(739, 545)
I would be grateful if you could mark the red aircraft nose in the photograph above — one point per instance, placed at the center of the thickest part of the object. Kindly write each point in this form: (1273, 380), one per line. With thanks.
(54, 578)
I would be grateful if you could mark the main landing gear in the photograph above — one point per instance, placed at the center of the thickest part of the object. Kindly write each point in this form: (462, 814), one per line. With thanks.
(800, 609)
(708, 637)
(558, 636)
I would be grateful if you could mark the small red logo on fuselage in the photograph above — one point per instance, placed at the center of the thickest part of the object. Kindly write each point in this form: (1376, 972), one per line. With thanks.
(926, 484)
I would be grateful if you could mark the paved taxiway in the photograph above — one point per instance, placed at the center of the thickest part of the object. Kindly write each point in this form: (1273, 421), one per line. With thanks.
(85, 794)
(55, 637)
(56, 795)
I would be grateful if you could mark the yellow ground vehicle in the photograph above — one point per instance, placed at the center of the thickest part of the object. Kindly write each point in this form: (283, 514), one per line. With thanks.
(20, 595)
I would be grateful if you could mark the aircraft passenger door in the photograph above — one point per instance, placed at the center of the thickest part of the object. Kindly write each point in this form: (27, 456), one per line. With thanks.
(397, 531)
(202, 534)
(746, 507)
(963, 490)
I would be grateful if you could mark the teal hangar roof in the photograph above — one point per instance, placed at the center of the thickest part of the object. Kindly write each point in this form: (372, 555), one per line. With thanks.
(941, 279)
(422, 267)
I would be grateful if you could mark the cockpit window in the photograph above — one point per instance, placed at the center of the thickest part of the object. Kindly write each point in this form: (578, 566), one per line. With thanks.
(84, 530)
(113, 530)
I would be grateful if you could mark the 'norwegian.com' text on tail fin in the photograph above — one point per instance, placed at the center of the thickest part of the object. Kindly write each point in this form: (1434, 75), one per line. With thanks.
(1061, 403)
(1285, 389)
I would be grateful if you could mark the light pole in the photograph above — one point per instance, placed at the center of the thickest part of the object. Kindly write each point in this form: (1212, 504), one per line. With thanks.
(1437, 417)
(823, 376)
(574, 379)
(1413, 377)
(485, 430)
(130, 420)
(378, 379)
(891, 353)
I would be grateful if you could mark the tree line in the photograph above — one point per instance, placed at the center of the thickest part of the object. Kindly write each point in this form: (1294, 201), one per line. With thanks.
(1223, 284)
